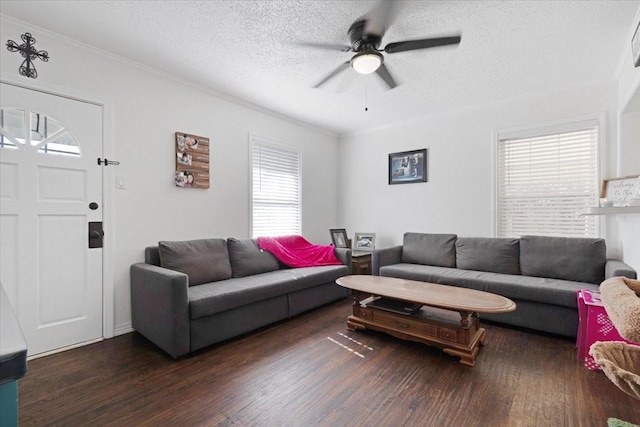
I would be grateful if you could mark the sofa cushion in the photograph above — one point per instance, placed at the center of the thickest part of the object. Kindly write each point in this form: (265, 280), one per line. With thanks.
(248, 259)
(204, 261)
(517, 287)
(211, 298)
(576, 259)
(488, 254)
(429, 249)
(152, 255)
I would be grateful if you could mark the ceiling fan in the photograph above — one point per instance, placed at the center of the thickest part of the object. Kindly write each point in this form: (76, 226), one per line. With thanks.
(366, 35)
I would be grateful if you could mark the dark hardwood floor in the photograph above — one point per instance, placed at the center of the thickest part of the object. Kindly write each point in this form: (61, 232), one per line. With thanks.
(311, 371)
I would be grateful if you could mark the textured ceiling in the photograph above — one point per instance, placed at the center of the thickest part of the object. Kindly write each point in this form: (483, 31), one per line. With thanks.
(250, 50)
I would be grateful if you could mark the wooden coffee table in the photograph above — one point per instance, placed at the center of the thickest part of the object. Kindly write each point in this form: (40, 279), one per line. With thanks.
(448, 319)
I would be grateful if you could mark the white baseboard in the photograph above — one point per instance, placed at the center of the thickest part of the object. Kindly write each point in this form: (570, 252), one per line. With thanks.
(122, 329)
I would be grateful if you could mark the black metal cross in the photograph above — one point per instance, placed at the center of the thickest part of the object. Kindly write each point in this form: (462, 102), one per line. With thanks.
(29, 53)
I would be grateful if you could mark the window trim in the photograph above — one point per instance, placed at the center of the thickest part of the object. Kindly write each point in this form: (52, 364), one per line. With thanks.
(269, 142)
(47, 145)
(544, 128)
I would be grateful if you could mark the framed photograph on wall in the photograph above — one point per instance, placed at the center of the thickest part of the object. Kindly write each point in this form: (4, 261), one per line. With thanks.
(364, 242)
(408, 166)
(339, 237)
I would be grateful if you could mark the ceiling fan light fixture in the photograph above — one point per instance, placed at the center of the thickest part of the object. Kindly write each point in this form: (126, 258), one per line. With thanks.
(366, 62)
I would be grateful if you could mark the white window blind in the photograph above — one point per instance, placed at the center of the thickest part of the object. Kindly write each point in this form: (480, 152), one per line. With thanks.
(544, 180)
(276, 182)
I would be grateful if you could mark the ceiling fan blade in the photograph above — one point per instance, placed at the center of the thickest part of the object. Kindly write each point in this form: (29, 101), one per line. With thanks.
(383, 72)
(334, 73)
(421, 44)
(326, 46)
(380, 18)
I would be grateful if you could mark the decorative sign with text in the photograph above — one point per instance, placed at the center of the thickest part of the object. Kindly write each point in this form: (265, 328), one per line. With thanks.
(192, 161)
(621, 190)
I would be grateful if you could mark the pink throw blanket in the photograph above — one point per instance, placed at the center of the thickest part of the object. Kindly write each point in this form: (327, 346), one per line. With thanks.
(295, 251)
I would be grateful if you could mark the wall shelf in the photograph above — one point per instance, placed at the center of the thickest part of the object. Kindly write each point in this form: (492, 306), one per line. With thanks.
(611, 211)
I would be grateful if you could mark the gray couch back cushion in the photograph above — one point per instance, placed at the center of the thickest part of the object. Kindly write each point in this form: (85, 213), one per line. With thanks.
(204, 261)
(429, 249)
(488, 254)
(152, 255)
(575, 259)
(248, 259)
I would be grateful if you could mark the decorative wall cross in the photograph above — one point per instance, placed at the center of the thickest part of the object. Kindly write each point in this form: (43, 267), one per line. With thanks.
(29, 53)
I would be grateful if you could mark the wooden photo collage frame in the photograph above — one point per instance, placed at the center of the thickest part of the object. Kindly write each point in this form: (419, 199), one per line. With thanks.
(192, 161)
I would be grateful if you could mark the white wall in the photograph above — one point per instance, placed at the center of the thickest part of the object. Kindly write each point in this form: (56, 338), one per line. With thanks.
(628, 75)
(629, 142)
(629, 107)
(459, 196)
(146, 109)
(627, 227)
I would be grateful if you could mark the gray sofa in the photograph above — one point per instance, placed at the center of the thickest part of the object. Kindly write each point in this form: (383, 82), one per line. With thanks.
(188, 295)
(540, 274)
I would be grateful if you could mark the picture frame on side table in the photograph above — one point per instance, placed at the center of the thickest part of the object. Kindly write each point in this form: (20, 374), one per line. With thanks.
(635, 46)
(407, 167)
(364, 242)
(339, 237)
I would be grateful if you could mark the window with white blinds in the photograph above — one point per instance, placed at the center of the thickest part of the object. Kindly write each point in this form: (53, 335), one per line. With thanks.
(545, 180)
(276, 181)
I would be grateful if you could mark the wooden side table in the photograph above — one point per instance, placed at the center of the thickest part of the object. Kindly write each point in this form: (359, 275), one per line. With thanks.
(361, 263)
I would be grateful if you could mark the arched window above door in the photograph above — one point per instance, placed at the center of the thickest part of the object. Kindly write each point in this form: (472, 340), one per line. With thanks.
(29, 129)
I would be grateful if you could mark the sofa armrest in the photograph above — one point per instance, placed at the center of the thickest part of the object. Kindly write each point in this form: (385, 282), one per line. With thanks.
(160, 307)
(344, 256)
(386, 256)
(616, 268)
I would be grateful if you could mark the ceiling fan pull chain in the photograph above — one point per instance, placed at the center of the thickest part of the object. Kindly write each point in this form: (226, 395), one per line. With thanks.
(366, 94)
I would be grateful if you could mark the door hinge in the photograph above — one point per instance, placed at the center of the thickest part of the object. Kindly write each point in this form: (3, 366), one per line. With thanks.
(107, 162)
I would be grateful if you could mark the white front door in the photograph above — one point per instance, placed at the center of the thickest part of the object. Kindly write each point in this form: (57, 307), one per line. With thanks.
(49, 176)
